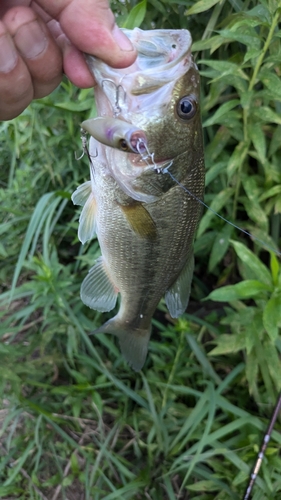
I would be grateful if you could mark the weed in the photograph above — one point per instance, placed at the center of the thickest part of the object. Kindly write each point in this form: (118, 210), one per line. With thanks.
(76, 422)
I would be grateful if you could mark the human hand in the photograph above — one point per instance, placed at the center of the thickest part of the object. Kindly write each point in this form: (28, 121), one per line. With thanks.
(40, 40)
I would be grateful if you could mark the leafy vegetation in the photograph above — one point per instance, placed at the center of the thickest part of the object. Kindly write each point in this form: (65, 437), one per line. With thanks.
(76, 422)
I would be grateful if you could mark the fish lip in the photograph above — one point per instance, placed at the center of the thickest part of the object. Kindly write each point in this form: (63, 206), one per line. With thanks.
(138, 161)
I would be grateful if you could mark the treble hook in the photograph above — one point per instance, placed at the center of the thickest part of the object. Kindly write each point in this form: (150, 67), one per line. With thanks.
(116, 106)
(84, 146)
(85, 150)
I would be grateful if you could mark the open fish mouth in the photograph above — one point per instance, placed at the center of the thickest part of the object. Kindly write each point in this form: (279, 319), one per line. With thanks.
(148, 160)
(132, 101)
(163, 57)
(159, 48)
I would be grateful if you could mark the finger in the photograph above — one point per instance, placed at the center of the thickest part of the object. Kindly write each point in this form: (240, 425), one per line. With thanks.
(90, 26)
(16, 89)
(8, 4)
(37, 48)
(74, 65)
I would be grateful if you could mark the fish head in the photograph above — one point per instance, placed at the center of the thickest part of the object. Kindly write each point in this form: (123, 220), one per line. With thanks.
(158, 99)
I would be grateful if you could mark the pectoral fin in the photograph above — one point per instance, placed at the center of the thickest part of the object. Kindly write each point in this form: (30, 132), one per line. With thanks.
(177, 296)
(97, 290)
(140, 220)
(81, 194)
(87, 225)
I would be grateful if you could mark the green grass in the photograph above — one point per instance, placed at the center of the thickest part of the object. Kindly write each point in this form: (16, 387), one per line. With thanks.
(75, 421)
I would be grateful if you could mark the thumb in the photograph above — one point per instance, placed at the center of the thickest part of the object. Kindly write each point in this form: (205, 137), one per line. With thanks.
(90, 26)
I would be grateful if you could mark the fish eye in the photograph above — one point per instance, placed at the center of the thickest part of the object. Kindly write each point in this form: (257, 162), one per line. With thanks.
(123, 145)
(186, 107)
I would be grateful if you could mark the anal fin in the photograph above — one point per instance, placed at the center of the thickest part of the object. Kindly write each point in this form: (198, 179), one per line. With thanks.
(97, 290)
(177, 296)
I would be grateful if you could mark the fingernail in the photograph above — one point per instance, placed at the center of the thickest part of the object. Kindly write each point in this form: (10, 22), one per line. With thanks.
(30, 40)
(8, 54)
(122, 40)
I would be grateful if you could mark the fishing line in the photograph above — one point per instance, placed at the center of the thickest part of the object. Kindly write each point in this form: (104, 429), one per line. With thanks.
(166, 171)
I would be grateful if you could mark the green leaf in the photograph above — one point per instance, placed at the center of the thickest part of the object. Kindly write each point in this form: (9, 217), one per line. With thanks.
(214, 149)
(260, 12)
(252, 371)
(237, 158)
(275, 267)
(244, 290)
(20, 463)
(228, 343)
(36, 222)
(75, 106)
(210, 43)
(201, 6)
(275, 190)
(257, 136)
(275, 141)
(136, 16)
(253, 262)
(225, 68)
(265, 114)
(272, 316)
(274, 365)
(220, 246)
(256, 213)
(223, 109)
(214, 172)
(246, 39)
(7, 491)
(271, 81)
(218, 202)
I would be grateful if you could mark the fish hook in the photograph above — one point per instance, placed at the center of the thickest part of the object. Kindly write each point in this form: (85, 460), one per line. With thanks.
(141, 147)
(85, 150)
(116, 106)
(84, 146)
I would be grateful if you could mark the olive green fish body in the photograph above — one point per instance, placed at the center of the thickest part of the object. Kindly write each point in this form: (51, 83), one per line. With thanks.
(145, 222)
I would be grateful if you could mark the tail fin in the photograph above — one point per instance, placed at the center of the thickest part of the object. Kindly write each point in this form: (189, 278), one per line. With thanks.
(133, 342)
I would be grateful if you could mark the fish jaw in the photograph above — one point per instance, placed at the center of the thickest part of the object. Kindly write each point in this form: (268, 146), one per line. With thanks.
(145, 96)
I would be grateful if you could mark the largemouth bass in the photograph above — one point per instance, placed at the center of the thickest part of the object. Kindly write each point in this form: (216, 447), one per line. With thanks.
(147, 134)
